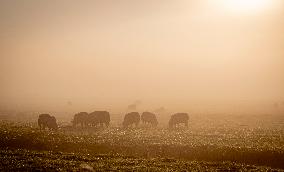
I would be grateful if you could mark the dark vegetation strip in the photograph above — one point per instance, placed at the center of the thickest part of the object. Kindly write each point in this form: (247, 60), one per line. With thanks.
(25, 160)
(202, 153)
(44, 141)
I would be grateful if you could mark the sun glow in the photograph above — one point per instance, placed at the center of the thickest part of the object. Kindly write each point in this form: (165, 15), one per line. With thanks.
(247, 6)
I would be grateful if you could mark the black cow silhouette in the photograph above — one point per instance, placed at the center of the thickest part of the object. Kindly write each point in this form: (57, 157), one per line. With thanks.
(81, 118)
(179, 118)
(45, 120)
(130, 119)
(149, 118)
(99, 118)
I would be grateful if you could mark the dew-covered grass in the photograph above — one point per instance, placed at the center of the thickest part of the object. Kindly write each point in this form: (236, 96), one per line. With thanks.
(223, 142)
(25, 160)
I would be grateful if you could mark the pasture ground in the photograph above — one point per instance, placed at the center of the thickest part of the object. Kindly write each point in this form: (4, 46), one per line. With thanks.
(212, 145)
(24, 160)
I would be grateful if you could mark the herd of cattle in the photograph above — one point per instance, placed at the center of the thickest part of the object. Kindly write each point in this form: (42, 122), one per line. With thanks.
(102, 118)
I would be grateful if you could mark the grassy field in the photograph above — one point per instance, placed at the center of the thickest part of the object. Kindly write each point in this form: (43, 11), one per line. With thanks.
(24, 160)
(200, 147)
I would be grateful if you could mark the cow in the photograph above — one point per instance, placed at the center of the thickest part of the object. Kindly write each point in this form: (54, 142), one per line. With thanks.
(148, 117)
(81, 118)
(99, 118)
(131, 118)
(179, 118)
(45, 120)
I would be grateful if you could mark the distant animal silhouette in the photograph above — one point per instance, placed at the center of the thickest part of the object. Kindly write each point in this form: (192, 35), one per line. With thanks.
(149, 118)
(130, 119)
(160, 110)
(132, 107)
(81, 118)
(178, 118)
(45, 120)
(99, 118)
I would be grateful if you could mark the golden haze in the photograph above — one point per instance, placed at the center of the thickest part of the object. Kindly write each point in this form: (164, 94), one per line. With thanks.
(183, 55)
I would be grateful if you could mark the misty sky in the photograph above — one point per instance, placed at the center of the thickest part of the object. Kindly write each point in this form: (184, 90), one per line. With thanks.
(180, 54)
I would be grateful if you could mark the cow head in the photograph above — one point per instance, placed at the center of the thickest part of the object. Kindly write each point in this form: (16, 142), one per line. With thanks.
(52, 123)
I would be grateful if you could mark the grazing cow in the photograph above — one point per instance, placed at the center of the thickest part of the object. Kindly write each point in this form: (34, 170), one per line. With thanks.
(45, 120)
(81, 118)
(179, 118)
(99, 118)
(148, 117)
(131, 118)
(132, 107)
